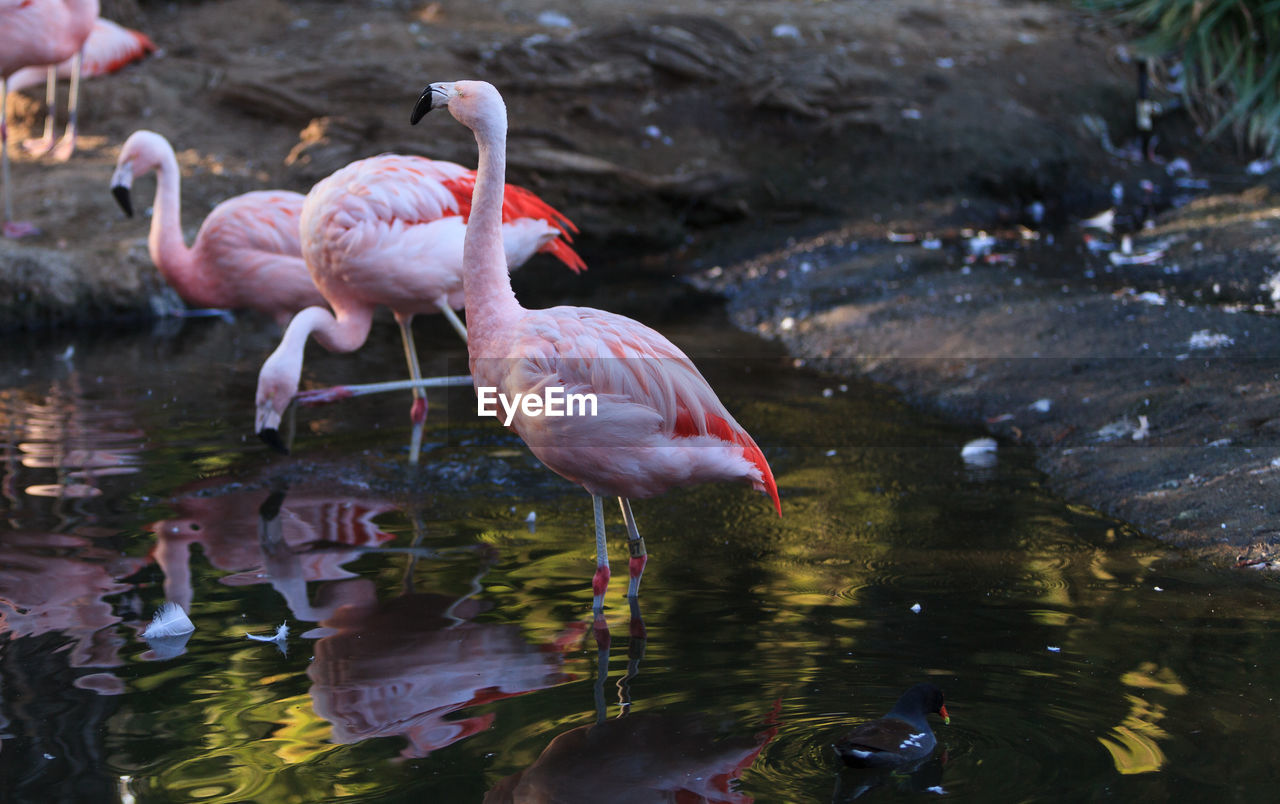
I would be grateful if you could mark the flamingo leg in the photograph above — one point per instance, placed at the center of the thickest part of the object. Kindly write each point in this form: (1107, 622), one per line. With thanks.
(4, 149)
(635, 546)
(600, 581)
(418, 413)
(45, 143)
(452, 318)
(12, 228)
(67, 145)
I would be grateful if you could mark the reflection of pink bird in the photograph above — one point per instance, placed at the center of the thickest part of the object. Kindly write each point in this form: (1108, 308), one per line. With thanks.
(55, 582)
(226, 526)
(642, 757)
(247, 253)
(35, 32)
(658, 423)
(388, 231)
(401, 667)
(108, 48)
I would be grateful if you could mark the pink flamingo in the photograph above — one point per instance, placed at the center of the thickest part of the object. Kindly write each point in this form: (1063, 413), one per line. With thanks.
(247, 254)
(108, 48)
(388, 230)
(35, 32)
(658, 423)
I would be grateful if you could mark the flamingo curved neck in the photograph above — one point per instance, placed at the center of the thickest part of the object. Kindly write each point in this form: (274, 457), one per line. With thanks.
(168, 250)
(486, 281)
(344, 332)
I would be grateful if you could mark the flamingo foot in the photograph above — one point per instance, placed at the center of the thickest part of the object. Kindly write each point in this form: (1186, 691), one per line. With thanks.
(64, 149)
(38, 146)
(16, 229)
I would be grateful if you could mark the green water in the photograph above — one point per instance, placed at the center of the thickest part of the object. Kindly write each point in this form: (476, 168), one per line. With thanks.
(440, 644)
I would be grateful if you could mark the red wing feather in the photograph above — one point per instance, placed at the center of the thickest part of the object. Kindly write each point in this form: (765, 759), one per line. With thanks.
(518, 203)
(721, 429)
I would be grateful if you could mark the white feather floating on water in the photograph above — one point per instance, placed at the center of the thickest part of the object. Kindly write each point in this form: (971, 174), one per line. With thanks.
(170, 620)
(281, 634)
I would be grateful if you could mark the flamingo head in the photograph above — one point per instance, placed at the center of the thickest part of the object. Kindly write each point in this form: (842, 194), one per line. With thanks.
(475, 104)
(142, 153)
(277, 385)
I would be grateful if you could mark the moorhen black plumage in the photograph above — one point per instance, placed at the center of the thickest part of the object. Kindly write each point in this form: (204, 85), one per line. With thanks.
(901, 737)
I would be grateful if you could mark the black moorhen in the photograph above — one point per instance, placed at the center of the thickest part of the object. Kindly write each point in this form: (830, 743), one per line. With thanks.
(900, 737)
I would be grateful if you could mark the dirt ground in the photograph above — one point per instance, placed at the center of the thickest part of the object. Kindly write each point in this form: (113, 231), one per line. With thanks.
(800, 157)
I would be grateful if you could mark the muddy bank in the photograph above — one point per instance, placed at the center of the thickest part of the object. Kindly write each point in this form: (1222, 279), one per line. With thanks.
(690, 143)
(741, 121)
(1148, 388)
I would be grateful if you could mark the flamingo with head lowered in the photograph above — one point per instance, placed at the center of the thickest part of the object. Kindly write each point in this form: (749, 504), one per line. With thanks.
(35, 32)
(389, 230)
(657, 424)
(247, 254)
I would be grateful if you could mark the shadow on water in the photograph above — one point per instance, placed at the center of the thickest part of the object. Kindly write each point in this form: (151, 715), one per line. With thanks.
(439, 621)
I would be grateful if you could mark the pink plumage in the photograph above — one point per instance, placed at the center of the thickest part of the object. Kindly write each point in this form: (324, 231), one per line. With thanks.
(36, 32)
(41, 32)
(108, 48)
(388, 231)
(247, 254)
(657, 423)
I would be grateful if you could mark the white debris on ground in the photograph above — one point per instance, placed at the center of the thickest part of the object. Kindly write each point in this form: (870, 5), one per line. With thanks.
(1122, 428)
(1124, 257)
(1259, 167)
(979, 452)
(1204, 339)
(1041, 405)
(554, 19)
(1272, 285)
(1104, 221)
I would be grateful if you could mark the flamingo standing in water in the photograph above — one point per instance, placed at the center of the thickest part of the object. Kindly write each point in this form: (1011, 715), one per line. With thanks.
(108, 48)
(247, 254)
(35, 32)
(658, 424)
(388, 230)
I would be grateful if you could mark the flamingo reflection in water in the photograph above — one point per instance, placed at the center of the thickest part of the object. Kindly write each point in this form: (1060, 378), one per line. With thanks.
(637, 756)
(400, 667)
(58, 583)
(285, 542)
(59, 433)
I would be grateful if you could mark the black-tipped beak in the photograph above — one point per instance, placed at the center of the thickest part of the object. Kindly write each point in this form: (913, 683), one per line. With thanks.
(423, 106)
(271, 437)
(123, 199)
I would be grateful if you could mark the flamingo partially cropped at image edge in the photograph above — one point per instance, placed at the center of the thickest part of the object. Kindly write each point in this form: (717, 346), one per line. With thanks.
(389, 230)
(108, 48)
(658, 423)
(35, 33)
(247, 254)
